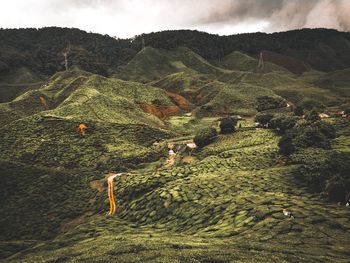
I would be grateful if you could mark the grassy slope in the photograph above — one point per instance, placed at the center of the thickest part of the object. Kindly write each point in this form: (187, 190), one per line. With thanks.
(224, 96)
(152, 64)
(236, 90)
(15, 83)
(109, 108)
(337, 82)
(230, 200)
(242, 62)
(228, 206)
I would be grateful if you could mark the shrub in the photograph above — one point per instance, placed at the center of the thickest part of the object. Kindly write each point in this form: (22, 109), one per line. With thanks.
(324, 170)
(347, 112)
(312, 116)
(317, 134)
(335, 191)
(263, 118)
(326, 129)
(205, 137)
(156, 102)
(311, 137)
(268, 102)
(283, 123)
(285, 144)
(299, 111)
(227, 125)
(310, 104)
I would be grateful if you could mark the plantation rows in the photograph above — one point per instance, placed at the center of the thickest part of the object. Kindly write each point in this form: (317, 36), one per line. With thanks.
(238, 193)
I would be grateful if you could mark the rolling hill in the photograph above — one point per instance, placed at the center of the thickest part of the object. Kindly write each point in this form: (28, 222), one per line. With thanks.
(222, 202)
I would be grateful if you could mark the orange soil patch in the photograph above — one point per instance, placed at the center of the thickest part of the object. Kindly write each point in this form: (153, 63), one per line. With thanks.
(294, 65)
(180, 101)
(44, 102)
(160, 111)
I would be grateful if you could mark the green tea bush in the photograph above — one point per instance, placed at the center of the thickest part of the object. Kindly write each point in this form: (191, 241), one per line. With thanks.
(325, 128)
(205, 137)
(299, 111)
(263, 118)
(227, 125)
(268, 102)
(312, 116)
(317, 134)
(283, 123)
(310, 104)
(324, 171)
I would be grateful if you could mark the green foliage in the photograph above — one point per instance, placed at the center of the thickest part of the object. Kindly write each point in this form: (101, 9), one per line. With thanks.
(205, 137)
(233, 191)
(227, 125)
(263, 118)
(312, 116)
(243, 62)
(30, 194)
(311, 104)
(325, 128)
(317, 134)
(299, 111)
(96, 53)
(283, 123)
(324, 170)
(286, 145)
(118, 130)
(311, 137)
(268, 102)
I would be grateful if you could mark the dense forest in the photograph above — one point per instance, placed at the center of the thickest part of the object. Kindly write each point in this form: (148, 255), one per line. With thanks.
(41, 50)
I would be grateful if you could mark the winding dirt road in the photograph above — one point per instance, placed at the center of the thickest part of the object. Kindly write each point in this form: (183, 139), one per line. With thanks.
(111, 197)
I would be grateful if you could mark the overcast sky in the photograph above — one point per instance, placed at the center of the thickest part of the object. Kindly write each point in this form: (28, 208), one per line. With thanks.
(126, 18)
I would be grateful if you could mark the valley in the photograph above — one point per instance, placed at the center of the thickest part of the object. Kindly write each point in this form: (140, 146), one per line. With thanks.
(220, 202)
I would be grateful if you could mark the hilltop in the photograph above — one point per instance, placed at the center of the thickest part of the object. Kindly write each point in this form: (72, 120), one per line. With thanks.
(41, 50)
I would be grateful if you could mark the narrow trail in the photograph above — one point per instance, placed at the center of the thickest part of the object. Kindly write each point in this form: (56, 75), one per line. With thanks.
(111, 197)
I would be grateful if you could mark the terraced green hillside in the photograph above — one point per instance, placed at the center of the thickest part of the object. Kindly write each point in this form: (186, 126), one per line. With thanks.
(219, 203)
(152, 64)
(242, 62)
(227, 206)
(118, 130)
(17, 82)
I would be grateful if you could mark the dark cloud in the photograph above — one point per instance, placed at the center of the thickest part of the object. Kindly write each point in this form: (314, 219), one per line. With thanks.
(282, 14)
(126, 18)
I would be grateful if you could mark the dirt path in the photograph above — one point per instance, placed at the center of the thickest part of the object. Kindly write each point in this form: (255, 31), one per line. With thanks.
(111, 197)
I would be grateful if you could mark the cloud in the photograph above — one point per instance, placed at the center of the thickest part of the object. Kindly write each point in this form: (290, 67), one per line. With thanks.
(126, 18)
(282, 14)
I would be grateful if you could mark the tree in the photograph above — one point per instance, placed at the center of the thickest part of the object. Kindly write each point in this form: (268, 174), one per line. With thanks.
(326, 129)
(310, 104)
(205, 137)
(268, 102)
(317, 134)
(285, 144)
(312, 116)
(311, 137)
(227, 125)
(299, 111)
(283, 123)
(347, 112)
(263, 118)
